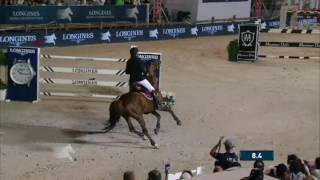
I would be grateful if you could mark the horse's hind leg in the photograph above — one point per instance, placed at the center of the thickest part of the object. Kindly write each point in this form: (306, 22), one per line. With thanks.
(157, 115)
(132, 129)
(142, 123)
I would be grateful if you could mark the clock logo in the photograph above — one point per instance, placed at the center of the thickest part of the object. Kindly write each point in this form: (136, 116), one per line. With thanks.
(22, 72)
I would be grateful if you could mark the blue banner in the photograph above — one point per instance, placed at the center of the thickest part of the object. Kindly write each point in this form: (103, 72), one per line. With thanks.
(23, 74)
(213, 1)
(72, 14)
(71, 38)
(270, 24)
(80, 37)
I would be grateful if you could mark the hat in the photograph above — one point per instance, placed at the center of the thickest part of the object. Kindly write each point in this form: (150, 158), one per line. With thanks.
(229, 143)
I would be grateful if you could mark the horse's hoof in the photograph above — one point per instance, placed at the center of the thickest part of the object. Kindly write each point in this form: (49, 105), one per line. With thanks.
(144, 137)
(156, 131)
(156, 146)
(179, 123)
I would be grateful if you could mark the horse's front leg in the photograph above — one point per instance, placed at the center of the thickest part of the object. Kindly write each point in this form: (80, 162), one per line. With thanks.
(175, 117)
(157, 115)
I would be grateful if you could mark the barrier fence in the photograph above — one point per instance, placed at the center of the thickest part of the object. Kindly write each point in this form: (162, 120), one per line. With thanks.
(249, 42)
(84, 71)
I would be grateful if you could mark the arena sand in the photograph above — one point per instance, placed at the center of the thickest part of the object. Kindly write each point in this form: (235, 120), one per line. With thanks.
(267, 105)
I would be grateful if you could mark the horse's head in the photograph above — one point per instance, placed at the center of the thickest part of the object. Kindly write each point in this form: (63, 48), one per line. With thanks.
(133, 13)
(153, 68)
(69, 11)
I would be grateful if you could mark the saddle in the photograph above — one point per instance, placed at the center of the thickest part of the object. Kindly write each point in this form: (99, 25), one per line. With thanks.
(142, 90)
(148, 95)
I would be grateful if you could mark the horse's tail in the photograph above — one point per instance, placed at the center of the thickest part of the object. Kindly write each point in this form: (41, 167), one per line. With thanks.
(115, 114)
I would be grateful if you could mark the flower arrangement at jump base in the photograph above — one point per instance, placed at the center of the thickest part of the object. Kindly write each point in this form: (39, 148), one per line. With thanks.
(168, 99)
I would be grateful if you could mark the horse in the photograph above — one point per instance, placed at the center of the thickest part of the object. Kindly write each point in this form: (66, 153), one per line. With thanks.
(154, 33)
(106, 36)
(50, 39)
(64, 14)
(134, 104)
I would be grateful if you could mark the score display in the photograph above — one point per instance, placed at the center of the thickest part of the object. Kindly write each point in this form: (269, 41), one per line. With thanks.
(252, 155)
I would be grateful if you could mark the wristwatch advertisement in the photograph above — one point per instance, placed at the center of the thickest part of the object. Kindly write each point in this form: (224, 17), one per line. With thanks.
(23, 73)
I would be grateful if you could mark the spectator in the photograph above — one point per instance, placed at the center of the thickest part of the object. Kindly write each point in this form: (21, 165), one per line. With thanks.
(282, 172)
(108, 2)
(225, 160)
(119, 2)
(20, 2)
(291, 158)
(296, 170)
(59, 2)
(129, 175)
(51, 2)
(316, 170)
(258, 164)
(98, 2)
(256, 174)
(154, 175)
(136, 2)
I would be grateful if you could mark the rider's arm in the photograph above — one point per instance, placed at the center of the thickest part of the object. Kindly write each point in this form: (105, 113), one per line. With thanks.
(213, 151)
(128, 68)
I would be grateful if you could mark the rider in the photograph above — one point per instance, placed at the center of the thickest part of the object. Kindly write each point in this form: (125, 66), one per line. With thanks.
(137, 70)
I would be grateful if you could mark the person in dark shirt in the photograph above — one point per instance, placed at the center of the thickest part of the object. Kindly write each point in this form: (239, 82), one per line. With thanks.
(129, 175)
(137, 70)
(154, 175)
(225, 160)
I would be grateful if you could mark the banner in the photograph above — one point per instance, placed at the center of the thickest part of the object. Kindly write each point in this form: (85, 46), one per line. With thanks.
(213, 1)
(72, 14)
(81, 37)
(148, 58)
(23, 74)
(248, 42)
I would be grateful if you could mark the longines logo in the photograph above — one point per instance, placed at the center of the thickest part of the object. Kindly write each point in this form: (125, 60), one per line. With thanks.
(18, 40)
(99, 14)
(78, 37)
(129, 34)
(22, 51)
(211, 29)
(174, 32)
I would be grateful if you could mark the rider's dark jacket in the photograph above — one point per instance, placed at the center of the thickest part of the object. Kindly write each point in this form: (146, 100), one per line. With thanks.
(137, 69)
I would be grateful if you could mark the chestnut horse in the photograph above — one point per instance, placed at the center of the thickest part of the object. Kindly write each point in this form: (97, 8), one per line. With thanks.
(134, 104)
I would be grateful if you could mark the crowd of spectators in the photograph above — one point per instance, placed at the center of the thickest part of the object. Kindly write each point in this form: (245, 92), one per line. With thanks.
(71, 2)
(295, 168)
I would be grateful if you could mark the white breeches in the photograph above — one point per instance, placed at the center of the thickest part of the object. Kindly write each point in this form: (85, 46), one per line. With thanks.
(145, 83)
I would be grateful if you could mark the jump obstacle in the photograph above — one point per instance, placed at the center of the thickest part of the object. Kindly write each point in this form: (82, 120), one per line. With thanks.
(291, 31)
(249, 42)
(52, 70)
(120, 84)
(289, 44)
